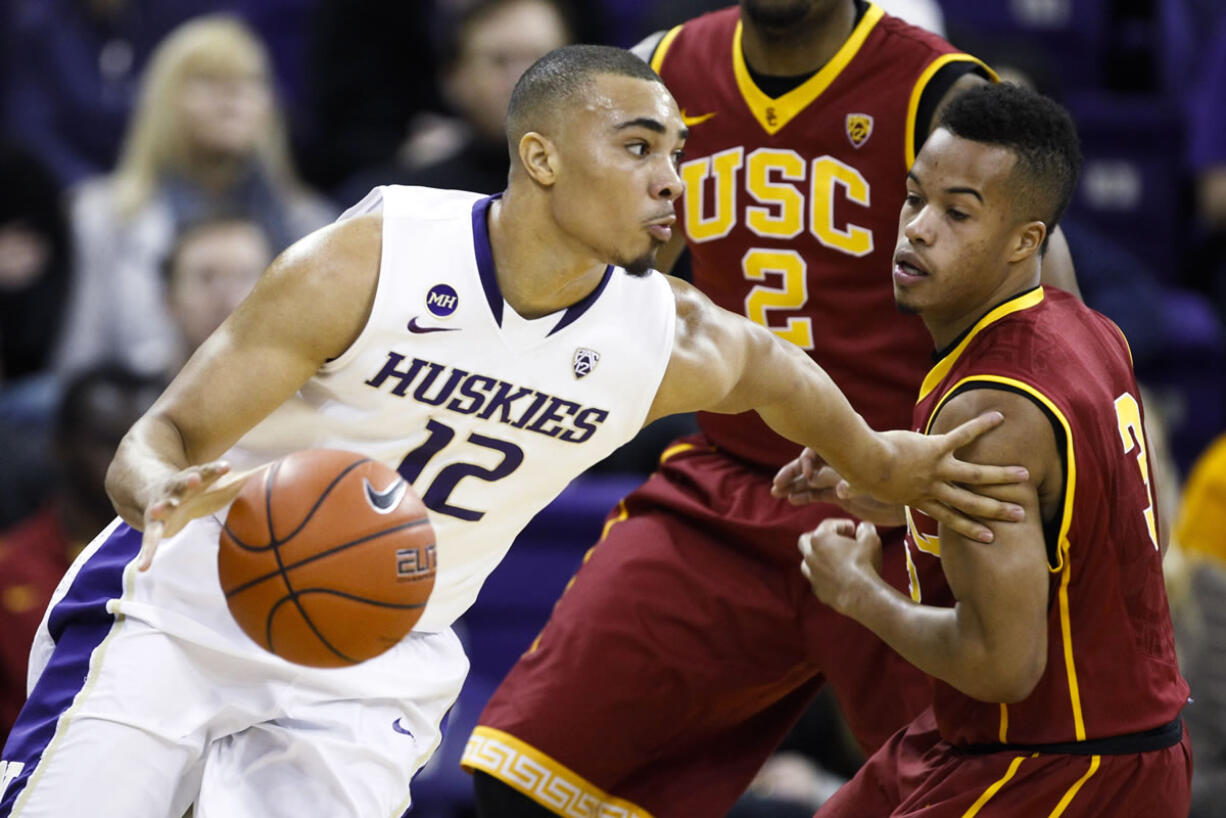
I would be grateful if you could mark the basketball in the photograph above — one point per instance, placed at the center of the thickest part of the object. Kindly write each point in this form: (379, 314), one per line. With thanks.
(326, 558)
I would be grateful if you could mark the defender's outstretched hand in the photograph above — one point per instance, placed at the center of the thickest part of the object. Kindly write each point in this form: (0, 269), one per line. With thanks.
(191, 493)
(924, 474)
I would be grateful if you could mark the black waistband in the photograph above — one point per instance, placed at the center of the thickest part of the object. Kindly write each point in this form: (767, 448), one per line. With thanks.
(1159, 738)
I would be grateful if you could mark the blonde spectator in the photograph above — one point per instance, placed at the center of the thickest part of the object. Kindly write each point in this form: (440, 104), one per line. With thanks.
(206, 137)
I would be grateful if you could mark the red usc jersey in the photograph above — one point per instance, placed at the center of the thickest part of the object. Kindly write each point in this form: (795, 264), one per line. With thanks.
(1111, 667)
(791, 205)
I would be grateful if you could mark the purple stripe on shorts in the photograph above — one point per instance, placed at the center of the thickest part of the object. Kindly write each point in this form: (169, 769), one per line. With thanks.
(78, 624)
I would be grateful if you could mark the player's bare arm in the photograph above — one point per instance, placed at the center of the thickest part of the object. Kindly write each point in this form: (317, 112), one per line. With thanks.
(722, 362)
(992, 645)
(309, 306)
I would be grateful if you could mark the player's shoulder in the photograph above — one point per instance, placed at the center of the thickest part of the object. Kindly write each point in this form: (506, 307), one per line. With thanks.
(903, 35)
(714, 28)
(413, 202)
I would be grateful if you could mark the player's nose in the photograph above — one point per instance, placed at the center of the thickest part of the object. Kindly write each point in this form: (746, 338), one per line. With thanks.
(666, 184)
(918, 229)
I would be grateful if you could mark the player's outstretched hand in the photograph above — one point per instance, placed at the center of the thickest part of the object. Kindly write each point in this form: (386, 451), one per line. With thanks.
(191, 493)
(924, 474)
(809, 479)
(840, 558)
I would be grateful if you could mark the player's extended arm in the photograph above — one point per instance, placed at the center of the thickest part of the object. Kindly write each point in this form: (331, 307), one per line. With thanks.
(308, 307)
(992, 645)
(722, 362)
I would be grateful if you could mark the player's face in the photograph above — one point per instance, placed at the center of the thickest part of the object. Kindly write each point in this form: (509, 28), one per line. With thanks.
(957, 230)
(618, 177)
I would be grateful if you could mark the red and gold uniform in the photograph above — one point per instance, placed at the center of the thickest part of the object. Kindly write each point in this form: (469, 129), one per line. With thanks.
(689, 642)
(1100, 734)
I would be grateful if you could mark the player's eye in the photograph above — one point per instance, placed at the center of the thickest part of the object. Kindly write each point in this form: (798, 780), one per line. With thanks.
(957, 215)
(677, 157)
(913, 200)
(637, 148)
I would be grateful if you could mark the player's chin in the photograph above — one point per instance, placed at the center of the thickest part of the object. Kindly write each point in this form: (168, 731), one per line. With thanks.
(642, 264)
(905, 302)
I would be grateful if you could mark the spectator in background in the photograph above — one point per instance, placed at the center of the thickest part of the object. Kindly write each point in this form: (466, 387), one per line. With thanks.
(97, 408)
(213, 265)
(35, 259)
(71, 70)
(488, 44)
(1200, 532)
(206, 137)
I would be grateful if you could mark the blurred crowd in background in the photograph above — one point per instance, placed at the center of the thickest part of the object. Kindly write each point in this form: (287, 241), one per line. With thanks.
(156, 154)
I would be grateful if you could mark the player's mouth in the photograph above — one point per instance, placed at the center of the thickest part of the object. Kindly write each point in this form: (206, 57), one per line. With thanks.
(908, 268)
(661, 229)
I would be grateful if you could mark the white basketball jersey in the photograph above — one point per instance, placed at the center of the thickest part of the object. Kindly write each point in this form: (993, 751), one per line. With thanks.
(487, 414)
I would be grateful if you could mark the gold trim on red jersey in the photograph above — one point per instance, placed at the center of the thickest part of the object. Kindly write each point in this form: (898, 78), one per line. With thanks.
(657, 57)
(917, 94)
(773, 114)
(937, 374)
(547, 782)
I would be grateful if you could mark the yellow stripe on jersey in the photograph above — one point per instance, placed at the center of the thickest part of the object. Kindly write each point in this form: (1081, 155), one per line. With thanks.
(917, 94)
(536, 775)
(1004, 723)
(657, 58)
(773, 114)
(995, 788)
(675, 449)
(934, 377)
(1072, 791)
(1063, 562)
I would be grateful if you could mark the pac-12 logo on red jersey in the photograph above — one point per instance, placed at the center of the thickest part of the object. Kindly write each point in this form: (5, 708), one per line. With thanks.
(859, 128)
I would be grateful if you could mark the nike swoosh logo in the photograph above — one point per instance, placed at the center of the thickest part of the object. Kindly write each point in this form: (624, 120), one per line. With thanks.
(416, 327)
(396, 726)
(691, 121)
(384, 501)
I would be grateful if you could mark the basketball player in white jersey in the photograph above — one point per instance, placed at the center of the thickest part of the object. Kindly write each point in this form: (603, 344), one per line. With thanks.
(490, 349)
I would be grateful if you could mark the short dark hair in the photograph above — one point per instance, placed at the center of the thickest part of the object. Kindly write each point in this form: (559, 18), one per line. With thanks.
(553, 82)
(1037, 130)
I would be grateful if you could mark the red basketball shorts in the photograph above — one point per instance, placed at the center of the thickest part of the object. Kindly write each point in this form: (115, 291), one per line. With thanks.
(917, 775)
(683, 651)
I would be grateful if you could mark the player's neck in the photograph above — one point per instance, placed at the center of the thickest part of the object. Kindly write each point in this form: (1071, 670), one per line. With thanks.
(803, 48)
(539, 269)
(946, 327)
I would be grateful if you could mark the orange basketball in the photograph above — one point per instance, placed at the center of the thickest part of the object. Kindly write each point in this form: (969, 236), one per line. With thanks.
(326, 558)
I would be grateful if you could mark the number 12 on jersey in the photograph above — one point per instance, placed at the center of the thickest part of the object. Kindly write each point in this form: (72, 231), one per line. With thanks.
(436, 496)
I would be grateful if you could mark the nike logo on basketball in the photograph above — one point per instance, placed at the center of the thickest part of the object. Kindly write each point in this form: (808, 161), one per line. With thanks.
(691, 121)
(396, 726)
(416, 327)
(384, 501)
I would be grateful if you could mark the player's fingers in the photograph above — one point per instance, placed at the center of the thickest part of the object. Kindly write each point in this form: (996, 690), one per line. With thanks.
(149, 540)
(785, 478)
(978, 505)
(962, 435)
(866, 532)
(971, 529)
(975, 474)
(837, 526)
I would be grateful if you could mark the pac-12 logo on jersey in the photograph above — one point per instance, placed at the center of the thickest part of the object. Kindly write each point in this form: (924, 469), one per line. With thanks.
(859, 128)
(585, 361)
(442, 300)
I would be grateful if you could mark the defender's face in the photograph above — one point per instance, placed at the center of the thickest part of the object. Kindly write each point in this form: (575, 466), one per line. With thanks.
(955, 230)
(618, 180)
(779, 15)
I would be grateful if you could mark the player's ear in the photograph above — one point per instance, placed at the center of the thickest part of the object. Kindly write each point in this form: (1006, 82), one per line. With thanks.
(1029, 240)
(539, 157)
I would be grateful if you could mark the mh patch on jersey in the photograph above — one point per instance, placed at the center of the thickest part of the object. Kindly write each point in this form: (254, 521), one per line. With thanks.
(859, 128)
(585, 361)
